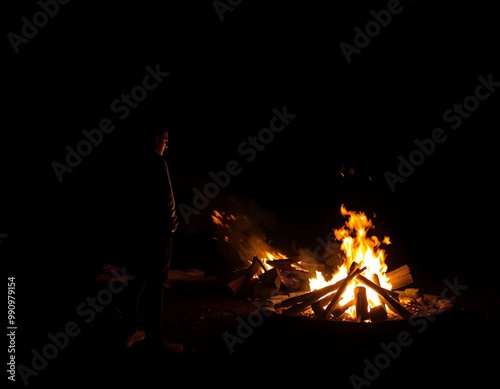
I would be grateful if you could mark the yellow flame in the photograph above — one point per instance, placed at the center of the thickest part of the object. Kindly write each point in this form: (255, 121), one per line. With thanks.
(268, 256)
(358, 246)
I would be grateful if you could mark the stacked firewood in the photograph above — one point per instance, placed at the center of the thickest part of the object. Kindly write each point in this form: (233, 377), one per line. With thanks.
(261, 281)
(325, 302)
(394, 304)
(286, 286)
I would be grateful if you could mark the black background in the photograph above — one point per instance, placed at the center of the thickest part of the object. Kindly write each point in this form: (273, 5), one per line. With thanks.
(225, 79)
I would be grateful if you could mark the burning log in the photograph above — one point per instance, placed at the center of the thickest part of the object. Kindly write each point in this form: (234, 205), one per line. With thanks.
(295, 263)
(312, 298)
(338, 312)
(238, 284)
(361, 303)
(317, 299)
(271, 278)
(282, 262)
(378, 312)
(395, 305)
(292, 277)
(400, 277)
(319, 304)
(393, 294)
(309, 297)
(353, 272)
(317, 307)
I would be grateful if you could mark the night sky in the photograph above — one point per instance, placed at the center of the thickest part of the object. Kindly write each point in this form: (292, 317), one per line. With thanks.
(222, 76)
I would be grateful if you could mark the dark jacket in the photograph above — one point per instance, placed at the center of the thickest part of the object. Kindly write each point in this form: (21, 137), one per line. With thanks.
(155, 202)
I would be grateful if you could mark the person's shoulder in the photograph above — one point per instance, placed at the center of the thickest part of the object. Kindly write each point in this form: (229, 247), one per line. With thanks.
(153, 164)
(156, 159)
(148, 158)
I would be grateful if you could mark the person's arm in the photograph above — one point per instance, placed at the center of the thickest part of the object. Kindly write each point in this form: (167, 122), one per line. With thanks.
(165, 214)
(172, 214)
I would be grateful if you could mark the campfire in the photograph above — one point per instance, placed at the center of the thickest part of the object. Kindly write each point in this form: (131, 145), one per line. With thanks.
(361, 289)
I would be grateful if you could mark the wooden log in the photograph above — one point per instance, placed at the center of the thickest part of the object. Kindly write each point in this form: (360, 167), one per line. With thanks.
(400, 277)
(261, 292)
(238, 284)
(257, 259)
(353, 272)
(376, 281)
(401, 269)
(317, 308)
(393, 304)
(339, 311)
(361, 303)
(378, 313)
(393, 294)
(271, 278)
(294, 279)
(309, 297)
(295, 309)
(398, 272)
(282, 262)
(299, 305)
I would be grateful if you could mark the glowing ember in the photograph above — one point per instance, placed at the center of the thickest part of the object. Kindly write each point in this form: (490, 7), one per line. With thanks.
(358, 246)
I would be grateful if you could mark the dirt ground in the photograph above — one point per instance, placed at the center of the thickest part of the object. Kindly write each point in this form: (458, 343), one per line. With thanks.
(230, 342)
(199, 310)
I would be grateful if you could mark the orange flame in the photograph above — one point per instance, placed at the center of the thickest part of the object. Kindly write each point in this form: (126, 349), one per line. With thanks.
(358, 246)
(246, 240)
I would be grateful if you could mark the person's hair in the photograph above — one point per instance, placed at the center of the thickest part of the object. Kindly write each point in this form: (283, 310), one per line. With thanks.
(156, 131)
(149, 125)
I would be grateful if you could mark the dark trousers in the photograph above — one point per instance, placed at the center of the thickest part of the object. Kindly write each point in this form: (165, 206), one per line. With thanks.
(150, 263)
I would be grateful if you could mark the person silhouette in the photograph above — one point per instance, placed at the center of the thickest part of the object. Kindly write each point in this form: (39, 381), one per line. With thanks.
(149, 256)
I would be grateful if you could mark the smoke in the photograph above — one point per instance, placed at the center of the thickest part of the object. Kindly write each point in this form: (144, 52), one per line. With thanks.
(241, 228)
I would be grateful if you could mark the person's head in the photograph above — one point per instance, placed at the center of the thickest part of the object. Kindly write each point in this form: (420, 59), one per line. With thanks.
(159, 140)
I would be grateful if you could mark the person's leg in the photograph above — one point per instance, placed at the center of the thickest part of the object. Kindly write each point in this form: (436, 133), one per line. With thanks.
(130, 308)
(131, 295)
(156, 278)
(151, 302)
(153, 298)
(170, 348)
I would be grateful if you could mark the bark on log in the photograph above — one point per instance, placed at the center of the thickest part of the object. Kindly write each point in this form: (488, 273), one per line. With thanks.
(361, 303)
(393, 304)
